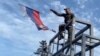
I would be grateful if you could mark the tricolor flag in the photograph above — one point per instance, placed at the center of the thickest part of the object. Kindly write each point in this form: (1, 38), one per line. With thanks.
(35, 17)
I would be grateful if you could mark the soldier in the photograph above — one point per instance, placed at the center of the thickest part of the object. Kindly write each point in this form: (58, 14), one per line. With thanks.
(68, 22)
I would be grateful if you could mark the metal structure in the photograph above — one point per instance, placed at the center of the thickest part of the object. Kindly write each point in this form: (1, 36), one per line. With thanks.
(80, 38)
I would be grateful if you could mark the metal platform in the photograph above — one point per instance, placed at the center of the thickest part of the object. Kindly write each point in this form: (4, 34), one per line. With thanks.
(86, 42)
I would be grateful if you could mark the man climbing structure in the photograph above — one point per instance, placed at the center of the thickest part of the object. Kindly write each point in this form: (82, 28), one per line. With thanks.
(68, 20)
(68, 23)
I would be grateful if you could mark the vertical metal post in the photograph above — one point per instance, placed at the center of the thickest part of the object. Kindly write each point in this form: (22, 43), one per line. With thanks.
(52, 50)
(91, 33)
(49, 50)
(72, 51)
(58, 44)
(83, 47)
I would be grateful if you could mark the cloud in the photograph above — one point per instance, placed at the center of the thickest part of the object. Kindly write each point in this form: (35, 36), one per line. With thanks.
(20, 35)
(46, 6)
(81, 3)
(57, 5)
(5, 30)
(97, 31)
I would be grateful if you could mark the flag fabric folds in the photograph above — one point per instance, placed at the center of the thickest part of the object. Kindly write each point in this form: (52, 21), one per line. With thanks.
(35, 17)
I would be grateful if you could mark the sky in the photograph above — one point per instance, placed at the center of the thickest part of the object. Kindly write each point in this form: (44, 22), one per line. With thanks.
(19, 35)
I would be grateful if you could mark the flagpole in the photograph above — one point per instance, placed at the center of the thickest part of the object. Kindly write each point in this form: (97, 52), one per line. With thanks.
(52, 30)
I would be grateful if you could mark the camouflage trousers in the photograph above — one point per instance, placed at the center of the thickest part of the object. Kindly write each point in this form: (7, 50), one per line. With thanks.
(63, 27)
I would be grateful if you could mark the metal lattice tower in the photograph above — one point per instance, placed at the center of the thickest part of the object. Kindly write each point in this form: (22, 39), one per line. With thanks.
(85, 42)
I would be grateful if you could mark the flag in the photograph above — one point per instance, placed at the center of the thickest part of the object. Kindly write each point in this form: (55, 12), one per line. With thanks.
(35, 17)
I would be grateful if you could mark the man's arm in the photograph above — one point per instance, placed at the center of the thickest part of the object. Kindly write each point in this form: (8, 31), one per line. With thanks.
(58, 14)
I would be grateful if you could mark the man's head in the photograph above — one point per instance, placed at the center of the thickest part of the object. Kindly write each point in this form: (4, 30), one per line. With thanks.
(68, 10)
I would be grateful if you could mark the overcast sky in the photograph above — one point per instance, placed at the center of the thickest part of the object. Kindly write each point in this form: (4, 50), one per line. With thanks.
(19, 35)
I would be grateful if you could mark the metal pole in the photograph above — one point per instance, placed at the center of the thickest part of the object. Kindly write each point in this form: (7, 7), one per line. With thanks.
(58, 44)
(91, 33)
(72, 46)
(83, 47)
(82, 22)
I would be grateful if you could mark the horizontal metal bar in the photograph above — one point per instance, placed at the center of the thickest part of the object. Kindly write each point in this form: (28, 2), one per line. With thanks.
(95, 45)
(92, 42)
(74, 41)
(79, 43)
(83, 22)
(92, 37)
(89, 48)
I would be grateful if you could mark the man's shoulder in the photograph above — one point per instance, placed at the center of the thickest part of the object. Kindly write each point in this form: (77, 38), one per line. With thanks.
(72, 14)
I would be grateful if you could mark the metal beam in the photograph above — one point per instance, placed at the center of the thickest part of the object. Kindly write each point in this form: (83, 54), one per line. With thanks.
(72, 46)
(81, 31)
(54, 38)
(74, 41)
(91, 33)
(83, 47)
(89, 48)
(79, 43)
(58, 44)
(92, 37)
(83, 22)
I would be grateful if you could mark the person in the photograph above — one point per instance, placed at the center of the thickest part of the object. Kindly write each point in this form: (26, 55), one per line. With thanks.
(68, 22)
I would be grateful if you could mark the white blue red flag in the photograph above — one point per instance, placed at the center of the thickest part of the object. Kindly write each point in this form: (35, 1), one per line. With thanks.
(35, 17)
